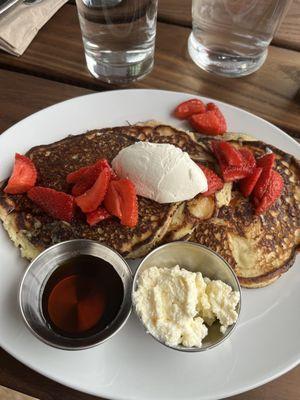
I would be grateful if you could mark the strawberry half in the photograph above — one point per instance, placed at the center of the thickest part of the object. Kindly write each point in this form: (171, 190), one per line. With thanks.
(214, 182)
(81, 187)
(247, 184)
(248, 157)
(208, 123)
(92, 198)
(230, 154)
(213, 107)
(57, 204)
(129, 206)
(85, 177)
(188, 108)
(218, 154)
(96, 216)
(230, 173)
(23, 177)
(112, 201)
(272, 193)
(266, 163)
(74, 176)
(121, 201)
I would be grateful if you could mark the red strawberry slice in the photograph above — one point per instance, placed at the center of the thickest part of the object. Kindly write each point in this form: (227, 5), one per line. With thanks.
(74, 176)
(230, 173)
(129, 206)
(208, 123)
(112, 200)
(96, 216)
(229, 153)
(213, 107)
(247, 184)
(92, 198)
(23, 177)
(81, 187)
(57, 204)
(248, 157)
(89, 174)
(214, 182)
(105, 164)
(266, 163)
(188, 108)
(233, 173)
(218, 154)
(271, 194)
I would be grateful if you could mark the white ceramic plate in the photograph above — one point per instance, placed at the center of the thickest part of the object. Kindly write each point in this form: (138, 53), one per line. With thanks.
(132, 365)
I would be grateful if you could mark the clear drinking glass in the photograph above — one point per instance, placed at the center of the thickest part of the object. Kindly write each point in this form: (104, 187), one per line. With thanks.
(118, 37)
(231, 37)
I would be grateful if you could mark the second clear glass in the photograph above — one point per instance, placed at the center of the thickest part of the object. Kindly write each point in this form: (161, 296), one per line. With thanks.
(118, 38)
(231, 37)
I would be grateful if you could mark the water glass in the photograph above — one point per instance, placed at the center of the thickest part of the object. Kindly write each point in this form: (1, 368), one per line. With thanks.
(118, 38)
(231, 37)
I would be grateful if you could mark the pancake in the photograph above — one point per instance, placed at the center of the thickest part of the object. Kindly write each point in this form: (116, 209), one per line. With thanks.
(259, 248)
(33, 230)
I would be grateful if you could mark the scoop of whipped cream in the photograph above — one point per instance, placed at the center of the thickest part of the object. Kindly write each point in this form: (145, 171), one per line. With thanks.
(161, 172)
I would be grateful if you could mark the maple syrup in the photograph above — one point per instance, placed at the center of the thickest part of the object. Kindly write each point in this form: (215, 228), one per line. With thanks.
(82, 296)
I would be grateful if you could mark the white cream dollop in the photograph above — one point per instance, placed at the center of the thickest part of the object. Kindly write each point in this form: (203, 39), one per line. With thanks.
(161, 172)
(177, 306)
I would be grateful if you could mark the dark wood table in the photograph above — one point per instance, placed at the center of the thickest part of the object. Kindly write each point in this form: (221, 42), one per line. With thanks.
(53, 69)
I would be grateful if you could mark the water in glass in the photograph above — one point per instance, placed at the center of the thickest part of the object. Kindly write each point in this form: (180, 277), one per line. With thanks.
(118, 37)
(231, 37)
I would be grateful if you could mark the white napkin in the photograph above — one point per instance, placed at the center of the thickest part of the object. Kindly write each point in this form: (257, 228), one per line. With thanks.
(20, 24)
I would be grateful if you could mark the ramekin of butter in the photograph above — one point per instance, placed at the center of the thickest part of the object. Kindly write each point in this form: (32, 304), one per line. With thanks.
(186, 296)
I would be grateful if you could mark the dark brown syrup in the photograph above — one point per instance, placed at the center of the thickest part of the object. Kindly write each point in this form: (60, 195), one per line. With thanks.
(82, 296)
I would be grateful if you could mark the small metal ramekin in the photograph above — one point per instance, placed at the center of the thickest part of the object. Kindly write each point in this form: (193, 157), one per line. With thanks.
(196, 258)
(35, 279)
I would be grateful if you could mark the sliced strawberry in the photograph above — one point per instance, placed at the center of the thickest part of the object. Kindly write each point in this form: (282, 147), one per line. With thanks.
(89, 174)
(129, 206)
(112, 200)
(248, 157)
(88, 177)
(266, 163)
(214, 182)
(271, 194)
(105, 164)
(81, 187)
(57, 204)
(96, 216)
(213, 107)
(74, 176)
(247, 184)
(23, 177)
(218, 154)
(232, 173)
(92, 198)
(188, 108)
(232, 156)
(208, 123)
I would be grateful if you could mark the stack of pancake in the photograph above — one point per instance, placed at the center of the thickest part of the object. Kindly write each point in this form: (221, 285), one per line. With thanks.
(259, 248)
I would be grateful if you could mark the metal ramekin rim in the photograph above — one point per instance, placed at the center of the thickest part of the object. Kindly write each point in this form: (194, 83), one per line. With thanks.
(183, 348)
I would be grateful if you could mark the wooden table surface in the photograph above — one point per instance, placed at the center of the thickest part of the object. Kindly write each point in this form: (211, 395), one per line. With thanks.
(53, 69)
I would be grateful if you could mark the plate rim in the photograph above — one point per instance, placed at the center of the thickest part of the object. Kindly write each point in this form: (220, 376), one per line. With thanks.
(288, 366)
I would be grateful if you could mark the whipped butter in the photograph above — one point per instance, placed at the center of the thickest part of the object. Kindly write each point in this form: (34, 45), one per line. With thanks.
(177, 306)
(161, 172)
